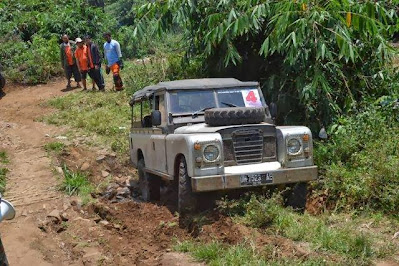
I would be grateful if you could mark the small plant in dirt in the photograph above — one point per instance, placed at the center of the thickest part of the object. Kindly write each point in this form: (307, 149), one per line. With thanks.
(76, 183)
(56, 147)
(3, 157)
(3, 179)
(3, 170)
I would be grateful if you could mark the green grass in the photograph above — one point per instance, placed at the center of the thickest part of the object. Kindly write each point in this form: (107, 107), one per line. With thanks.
(3, 179)
(107, 116)
(77, 183)
(247, 253)
(56, 147)
(335, 234)
(3, 157)
(3, 170)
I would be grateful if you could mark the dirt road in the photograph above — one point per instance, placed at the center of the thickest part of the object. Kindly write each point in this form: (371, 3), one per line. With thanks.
(32, 188)
(31, 185)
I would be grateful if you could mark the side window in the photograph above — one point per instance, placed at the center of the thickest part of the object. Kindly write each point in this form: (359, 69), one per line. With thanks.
(146, 113)
(160, 106)
(142, 114)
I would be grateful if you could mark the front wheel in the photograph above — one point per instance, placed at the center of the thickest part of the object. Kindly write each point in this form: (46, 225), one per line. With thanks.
(187, 199)
(295, 197)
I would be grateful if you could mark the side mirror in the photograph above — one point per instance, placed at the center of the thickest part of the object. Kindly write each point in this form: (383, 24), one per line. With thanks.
(7, 211)
(323, 133)
(156, 118)
(273, 110)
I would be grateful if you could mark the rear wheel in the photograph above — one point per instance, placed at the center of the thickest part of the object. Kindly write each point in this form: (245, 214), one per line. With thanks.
(295, 197)
(149, 184)
(187, 199)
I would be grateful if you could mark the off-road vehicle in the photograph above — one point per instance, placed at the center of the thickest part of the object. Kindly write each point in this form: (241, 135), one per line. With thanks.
(215, 135)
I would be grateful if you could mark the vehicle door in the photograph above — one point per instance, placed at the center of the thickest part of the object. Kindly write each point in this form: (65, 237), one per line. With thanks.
(158, 138)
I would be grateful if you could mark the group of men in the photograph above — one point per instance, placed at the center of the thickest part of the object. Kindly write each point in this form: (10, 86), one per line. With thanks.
(85, 59)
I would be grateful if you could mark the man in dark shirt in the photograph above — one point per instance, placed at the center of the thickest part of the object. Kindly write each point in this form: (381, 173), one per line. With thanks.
(95, 58)
(68, 61)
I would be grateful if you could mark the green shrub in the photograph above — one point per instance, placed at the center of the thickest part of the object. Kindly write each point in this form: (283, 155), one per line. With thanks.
(359, 164)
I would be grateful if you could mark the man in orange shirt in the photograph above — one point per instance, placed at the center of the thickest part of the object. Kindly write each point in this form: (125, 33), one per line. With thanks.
(83, 60)
(68, 61)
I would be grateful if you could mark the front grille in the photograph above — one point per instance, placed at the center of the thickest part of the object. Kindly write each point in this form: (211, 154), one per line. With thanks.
(248, 146)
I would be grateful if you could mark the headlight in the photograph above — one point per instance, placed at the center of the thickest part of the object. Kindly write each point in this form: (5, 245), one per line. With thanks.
(293, 146)
(211, 153)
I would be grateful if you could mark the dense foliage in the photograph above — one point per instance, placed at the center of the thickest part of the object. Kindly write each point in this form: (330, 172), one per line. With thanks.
(359, 164)
(31, 31)
(315, 58)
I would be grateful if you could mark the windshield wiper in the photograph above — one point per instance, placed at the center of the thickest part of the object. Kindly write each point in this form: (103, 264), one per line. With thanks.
(195, 114)
(229, 104)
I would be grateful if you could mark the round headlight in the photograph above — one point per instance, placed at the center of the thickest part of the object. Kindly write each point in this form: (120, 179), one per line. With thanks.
(211, 153)
(293, 146)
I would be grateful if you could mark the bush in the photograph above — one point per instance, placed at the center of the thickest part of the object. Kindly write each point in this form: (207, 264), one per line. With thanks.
(359, 164)
(31, 31)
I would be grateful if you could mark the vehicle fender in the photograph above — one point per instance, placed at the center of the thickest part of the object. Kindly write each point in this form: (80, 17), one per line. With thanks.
(183, 144)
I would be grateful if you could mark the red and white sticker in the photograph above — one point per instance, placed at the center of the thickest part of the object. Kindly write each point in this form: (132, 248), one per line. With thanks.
(251, 98)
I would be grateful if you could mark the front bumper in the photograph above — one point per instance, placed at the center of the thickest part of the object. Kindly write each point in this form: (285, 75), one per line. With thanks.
(232, 181)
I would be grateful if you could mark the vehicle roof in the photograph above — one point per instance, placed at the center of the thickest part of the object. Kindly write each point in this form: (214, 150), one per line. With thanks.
(191, 84)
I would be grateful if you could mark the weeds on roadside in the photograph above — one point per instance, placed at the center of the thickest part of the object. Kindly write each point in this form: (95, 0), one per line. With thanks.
(56, 147)
(247, 253)
(3, 157)
(270, 215)
(76, 183)
(3, 170)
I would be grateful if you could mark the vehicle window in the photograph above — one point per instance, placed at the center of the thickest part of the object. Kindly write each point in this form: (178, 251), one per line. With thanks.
(146, 111)
(243, 97)
(191, 101)
(160, 106)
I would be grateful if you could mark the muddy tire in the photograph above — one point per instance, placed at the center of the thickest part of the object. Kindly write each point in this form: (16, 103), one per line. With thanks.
(149, 184)
(234, 116)
(187, 199)
(295, 197)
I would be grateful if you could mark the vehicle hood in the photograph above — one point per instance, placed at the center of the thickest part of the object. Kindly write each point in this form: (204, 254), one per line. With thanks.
(204, 128)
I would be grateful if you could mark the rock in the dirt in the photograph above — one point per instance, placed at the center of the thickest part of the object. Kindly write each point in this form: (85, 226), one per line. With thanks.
(59, 170)
(396, 235)
(64, 217)
(104, 173)
(24, 213)
(112, 154)
(130, 182)
(123, 191)
(85, 166)
(55, 214)
(106, 224)
(100, 158)
(77, 204)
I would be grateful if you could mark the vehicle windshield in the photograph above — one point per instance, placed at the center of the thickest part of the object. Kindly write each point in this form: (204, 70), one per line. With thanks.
(193, 101)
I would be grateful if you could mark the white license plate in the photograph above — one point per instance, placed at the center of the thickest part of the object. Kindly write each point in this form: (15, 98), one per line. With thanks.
(256, 179)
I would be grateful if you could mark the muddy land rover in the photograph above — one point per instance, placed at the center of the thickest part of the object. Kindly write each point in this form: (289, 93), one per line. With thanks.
(207, 135)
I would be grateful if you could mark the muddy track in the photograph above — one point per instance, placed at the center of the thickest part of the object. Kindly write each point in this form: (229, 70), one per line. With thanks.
(32, 188)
